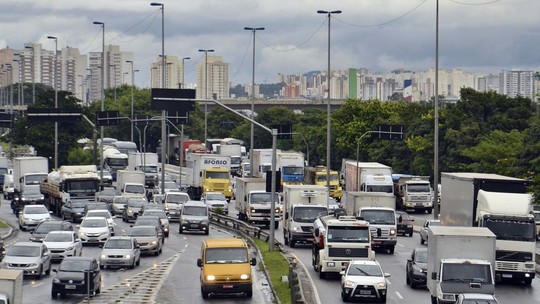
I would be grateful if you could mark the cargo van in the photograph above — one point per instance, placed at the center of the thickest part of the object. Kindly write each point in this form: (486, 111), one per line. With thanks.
(194, 216)
(7, 187)
(226, 267)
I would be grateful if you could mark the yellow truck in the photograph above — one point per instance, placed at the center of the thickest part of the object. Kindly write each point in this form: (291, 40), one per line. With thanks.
(208, 173)
(317, 176)
(226, 267)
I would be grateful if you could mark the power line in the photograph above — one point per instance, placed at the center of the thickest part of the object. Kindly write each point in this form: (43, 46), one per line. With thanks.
(243, 58)
(386, 22)
(156, 14)
(484, 3)
(294, 47)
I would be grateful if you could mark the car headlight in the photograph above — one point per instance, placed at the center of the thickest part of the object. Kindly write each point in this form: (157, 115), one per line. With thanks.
(205, 222)
(245, 277)
(154, 242)
(381, 285)
(32, 265)
(349, 284)
(103, 256)
(409, 226)
(33, 238)
(82, 233)
(104, 233)
(295, 229)
(417, 269)
(210, 278)
(129, 211)
(184, 218)
(70, 248)
(128, 256)
(392, 231)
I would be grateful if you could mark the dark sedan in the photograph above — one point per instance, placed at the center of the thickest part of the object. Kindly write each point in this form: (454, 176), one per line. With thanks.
(106, 195)
(73, 211)
(42, 229)
(404, 223)
(417, 267)
(72, 277)
(30, 196)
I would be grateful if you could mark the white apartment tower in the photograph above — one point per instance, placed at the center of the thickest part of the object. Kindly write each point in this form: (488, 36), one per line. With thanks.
(117, 70)
(515, 82)
(218, 78)
(173, 73)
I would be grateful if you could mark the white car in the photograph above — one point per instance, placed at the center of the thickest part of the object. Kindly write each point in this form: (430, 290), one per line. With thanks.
(424, 230)
(364, 279)
(476, 298)
(63, 244)
(103, 213)
(215, 201)
(94, 230)
(33, 215)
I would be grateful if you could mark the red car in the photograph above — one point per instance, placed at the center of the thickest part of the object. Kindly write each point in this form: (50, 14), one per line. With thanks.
(404, 223)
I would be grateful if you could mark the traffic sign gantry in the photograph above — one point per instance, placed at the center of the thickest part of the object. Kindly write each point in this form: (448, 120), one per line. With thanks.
(6, 120)
(173, 100)
(53, 114)
(284, 131)
(391, 132)
(107, 118)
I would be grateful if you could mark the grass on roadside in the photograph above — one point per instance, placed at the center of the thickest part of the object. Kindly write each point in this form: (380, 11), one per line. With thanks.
(277, 266)
(3, 224)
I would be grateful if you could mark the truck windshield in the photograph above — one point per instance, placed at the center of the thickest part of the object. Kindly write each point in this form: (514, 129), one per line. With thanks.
(293, 171)
(82, 186)
(308, 214)
(217, 175)
(266, 168)
(478, 273)
(380, 188)
(348, 234)
(236, 160)
(226, 256)
(379, 217)
(35, 179)
(322, 177)
(137, 189)
(416, 188)
(262, 198)
(512, 230)
(149, 169)
(117, 162)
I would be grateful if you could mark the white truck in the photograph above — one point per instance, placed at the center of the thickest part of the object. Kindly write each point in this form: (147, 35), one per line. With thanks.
(501, 204)
(377, 208)
(130, 183)
(114, 160)
(69, 183)
(28, 172)
(337, 241)
(254, 204)
(460, 260)
(413, 193)
(208, 172)
(235, 153)
(147, 163)
(11, 286)
(291, 164)
(302, 205)
(262, 162)
(368, 177)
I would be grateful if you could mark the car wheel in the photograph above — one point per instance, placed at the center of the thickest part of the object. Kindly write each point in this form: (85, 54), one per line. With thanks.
(138, 261)
(48, 272)
(204, 294)
(207, 231)
(285, 239)
(132, 266)
(413, 285)
(54, 294)
(249, 293)
(391, 250)
(407, 279)
(422, 240)
(40, 273)
(344, 297)
(98, 291)
(180, 230)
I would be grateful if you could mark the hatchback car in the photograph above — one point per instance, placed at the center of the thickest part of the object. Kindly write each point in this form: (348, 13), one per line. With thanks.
(120, 251)
(194, 216)
(404, 223)
(73, 211)
(162, 217)
(424, 229)
(94, 230)
(118, 204)
(173, 204)
(103, 213)
(148, 239)
(132, 209)
(416, 267)
(33, 215)
(42, 229)
(72, 277)
(215, 201)
(364, 279)
(106, 195)
(32, 258)
(145, 220)
(63, 244)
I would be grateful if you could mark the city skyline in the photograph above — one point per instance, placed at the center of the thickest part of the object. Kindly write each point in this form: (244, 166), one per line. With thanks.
(475, 35)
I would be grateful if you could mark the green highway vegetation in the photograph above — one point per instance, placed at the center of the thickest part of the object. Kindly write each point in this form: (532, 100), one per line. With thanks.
(482, 132)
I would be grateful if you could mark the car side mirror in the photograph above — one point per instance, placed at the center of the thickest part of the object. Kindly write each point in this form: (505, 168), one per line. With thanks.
(253, 261)
(199, 262)
(386, 275)
(342, 273)
(400, 219)
(434, 276)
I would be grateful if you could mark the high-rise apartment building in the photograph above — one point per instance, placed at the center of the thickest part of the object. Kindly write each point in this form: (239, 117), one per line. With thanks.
(173, 73)
(516, 82)
(117, 70)
(217, 78)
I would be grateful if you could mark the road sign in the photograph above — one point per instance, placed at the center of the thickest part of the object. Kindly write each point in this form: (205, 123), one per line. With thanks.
(178, 118)
(6, 120)
(53, 114)
(181, 100)
(144, 120)
(107, 118)
(391, 132)
(284, 131)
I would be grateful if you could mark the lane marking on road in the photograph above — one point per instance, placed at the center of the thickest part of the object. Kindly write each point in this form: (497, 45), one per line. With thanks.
(313, 287)
(36, 285)
(399, 295)
(388, 282)
(400, 245)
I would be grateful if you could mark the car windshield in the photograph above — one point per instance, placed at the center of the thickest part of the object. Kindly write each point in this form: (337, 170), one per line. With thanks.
(157, 213)
(404, 216)
(118, 244)
(32, 191)
(47, 227)
(74, 265)
(120, 200)
(97, 206)
(136, 203)
(24, 251)
(146, 221)
(108, 192)
(215, 197)
(59, 237)
(78, 204)
(421, 256)
(99, 213)
(36, 210)
(177, 198)
(226, 255)
(195, 210)
(142, 232)
(365, 271)
(92, 223)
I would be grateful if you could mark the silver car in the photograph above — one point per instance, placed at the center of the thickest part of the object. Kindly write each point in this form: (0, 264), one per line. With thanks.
(215, 201)
(120, 251)
(33, 215)
(162, 217)
(118, 204)
(63, 244)
(30, 257)
(147, 238)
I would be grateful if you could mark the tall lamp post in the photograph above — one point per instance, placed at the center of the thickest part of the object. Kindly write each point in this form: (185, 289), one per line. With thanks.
(206, 93)
(183, 84)
(436, 131)
(252, 132)
(163, 112)
(55, 99)
(328, 133)
(102, 97)
(132, 94)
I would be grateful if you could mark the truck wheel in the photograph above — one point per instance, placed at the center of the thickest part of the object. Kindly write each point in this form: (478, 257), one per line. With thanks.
(422, 240)
(391, 250)
(204, 294)
(276, 225)
(429, 211)
(285, 239)
(322, 274)
(249, 293)
(433, 300)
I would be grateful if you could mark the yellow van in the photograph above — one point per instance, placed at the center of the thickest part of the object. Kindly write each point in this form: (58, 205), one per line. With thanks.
(225, 267)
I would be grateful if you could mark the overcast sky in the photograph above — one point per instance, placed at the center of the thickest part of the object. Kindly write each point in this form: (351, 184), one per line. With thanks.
(382, 35)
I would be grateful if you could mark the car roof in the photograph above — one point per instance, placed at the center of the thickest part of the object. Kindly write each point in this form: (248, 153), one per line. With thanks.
(420, 249)
(34, 206)
(62, 232)
(94, 217)
(225, 243)
(364, 262)
(79, 258)
(195, 203)
(479, 296)
(121, 237)
(144, 227)
(31, 244)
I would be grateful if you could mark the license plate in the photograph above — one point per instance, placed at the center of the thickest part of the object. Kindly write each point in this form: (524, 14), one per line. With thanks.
(228, 286)
(365, 292)
(507, 276)
(70, 286)
(193, 225)
(309, 239)
(266, 214)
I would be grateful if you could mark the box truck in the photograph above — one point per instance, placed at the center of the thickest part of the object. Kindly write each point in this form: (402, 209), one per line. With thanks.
(208, 172)
(147, 163)
(29, 171)
(368, 177)
(253, 203)
(11, 285)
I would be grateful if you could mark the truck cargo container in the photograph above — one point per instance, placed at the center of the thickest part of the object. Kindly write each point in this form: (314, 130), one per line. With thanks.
(368, 177)
(11, 286)
(208, 172)
(147, 163)
(253, 203)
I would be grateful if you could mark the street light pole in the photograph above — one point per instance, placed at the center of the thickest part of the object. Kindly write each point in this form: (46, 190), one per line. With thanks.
(132, 95)
(163, 112)
(436, 131)
(328, 125)
(206, 94)
(252, 131)
(183, 85)
(55, 99)
(102, 98)
(33, 74)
